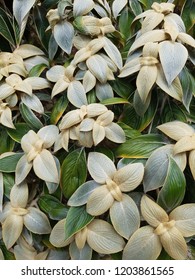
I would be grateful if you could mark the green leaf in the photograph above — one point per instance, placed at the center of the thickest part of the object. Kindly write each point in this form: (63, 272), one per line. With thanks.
(37, 70)
(172, 112)
(122, 88)
(48, 4)
(19, 132)
(7, 254)
(7, 143)
(114, 100)
(125, 21)
(129, 131)
(131, 118)
(135, 7)
(173, 190)
(140, 147)
(8, 164)
(8, 181)
(41, 25)
(5, 31)
(188, 15)
(77, 218)
(73, 172)
(187, 86)
(52, 47)
(58, 109)
(52, 207)
(30, 117)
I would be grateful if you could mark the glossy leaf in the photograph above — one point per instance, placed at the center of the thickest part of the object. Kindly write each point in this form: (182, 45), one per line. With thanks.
(73, 172)
(157, 164)
(19, 132)
(8, 164)
(77, 218)
(173, 190)
(52, 207)
(30, 118)
(5, 30)
(140, 147)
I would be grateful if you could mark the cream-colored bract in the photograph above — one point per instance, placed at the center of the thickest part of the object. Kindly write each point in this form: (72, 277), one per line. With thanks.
(17, 213)
(184, 134)
(36, 155)
(88, 125)
(164, 230)
(106, 192)
(98, 235)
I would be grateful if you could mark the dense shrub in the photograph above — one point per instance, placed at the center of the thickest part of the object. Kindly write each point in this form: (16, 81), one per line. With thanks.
(97, 129)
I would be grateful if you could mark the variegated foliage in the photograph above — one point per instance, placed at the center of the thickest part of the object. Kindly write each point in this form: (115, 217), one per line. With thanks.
(97, 135)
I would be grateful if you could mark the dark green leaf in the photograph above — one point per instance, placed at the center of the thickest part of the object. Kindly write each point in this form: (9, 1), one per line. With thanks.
(52, 207)
(173, 190)
(41, 24)
(125, 21)
(8, 164)
(140, 147)
(5, 27)
(135, 7)
(7, 143)
(7, 254)
(37, 70)
(30, 117)
(129, 131)
(187, 86)
(48, 4)
(172, 112)
(77, 218)
(19, 132)
(131, 118)
(58, 109)
(8, 181)
(73, 172)
(52, 47)
(122, 88)
(188, 14)
(91, 96)
(105, 151)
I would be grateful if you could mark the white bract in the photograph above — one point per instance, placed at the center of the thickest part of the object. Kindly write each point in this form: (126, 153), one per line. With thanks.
(184, 134)
(36, 155)
(167, 231)
(6, 115)
(98, 235)
(89, 125)
(14, 87)
(17, 214)
(106, 192)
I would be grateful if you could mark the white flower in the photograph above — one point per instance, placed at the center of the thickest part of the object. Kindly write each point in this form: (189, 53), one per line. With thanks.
(36, 155)
(106, 192)
(16, 214)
